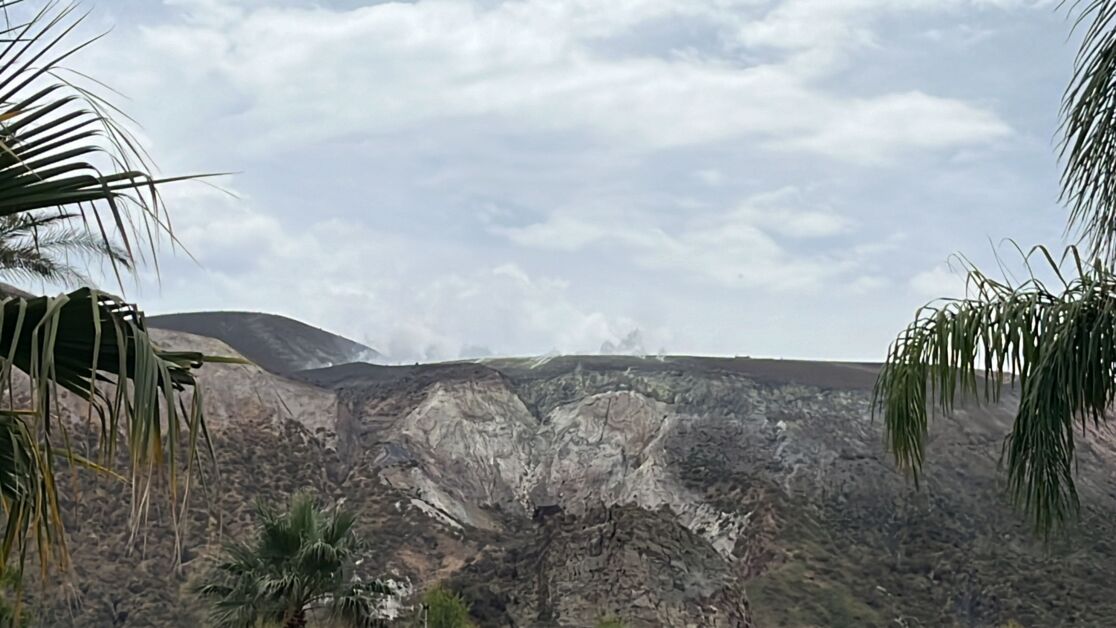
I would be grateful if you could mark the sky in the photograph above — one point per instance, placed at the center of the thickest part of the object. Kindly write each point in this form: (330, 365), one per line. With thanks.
(444, 179)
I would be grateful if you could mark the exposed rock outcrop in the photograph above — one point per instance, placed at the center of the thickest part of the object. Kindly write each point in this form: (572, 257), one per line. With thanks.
(663, 491)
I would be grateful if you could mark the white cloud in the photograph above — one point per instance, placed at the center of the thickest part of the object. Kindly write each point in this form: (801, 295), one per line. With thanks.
(498, 308)
(731, 249)
(822, 34)
(710, 176)
(781, 212)
(285, 76)
(738, 248)
(869, 130)
(938, 282)
(866, 284)
(735, 253)
(562, 233)
(328, 275)
(450, 177)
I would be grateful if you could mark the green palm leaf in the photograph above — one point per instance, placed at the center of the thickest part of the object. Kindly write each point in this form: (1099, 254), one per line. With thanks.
(25, 486)
(60, 148)
(1089, 128)
(47, 246)
(75, 180)
(1057, 345)
(87, 343)
(299, 562)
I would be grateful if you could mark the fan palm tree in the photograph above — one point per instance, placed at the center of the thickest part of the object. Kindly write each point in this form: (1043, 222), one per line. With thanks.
(46, 246)
(60, 152)
(299, 563)
(1055, 341)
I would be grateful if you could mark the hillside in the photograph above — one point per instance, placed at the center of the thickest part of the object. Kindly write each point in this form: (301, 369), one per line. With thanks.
(277, 343)
(669, 492)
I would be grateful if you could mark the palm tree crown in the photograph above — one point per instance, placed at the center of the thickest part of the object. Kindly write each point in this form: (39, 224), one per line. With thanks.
(50, 247)
(1056, 342)
(61, 157)
(300, 562)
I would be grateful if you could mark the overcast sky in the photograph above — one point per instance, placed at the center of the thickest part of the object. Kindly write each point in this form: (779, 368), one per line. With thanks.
(780, 178)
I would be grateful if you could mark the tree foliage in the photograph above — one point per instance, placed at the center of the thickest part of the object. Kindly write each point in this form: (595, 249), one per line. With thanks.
(1089, 129)
(52, 247)
(442, 608)
(1056, 343)
(71, 177)
(299, 562)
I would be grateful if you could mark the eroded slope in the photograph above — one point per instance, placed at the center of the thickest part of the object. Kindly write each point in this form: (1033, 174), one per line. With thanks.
(680, 491)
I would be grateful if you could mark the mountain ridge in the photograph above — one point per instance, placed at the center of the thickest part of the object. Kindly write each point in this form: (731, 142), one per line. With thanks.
(666, 492)
(278, 343)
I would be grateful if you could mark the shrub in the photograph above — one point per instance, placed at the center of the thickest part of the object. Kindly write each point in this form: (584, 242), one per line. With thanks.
(445, 609)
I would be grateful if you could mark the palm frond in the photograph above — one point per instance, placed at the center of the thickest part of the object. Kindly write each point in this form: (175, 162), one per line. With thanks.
(1089, 130)
(49, 246)
(358, 604)
(62, 156)
(96, 347)
(57, 232)
(299, 561)
(26, 263)
(61, 148)
(25, 489)
(339, 527)
(1058, 345)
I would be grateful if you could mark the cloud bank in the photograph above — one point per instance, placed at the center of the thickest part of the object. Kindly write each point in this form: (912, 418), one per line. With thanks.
(453, 178)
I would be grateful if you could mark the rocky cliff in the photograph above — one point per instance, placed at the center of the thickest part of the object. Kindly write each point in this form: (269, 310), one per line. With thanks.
(663, 491)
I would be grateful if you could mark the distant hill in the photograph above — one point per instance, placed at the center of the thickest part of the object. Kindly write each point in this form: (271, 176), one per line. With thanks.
(664, 491)
(276, 343)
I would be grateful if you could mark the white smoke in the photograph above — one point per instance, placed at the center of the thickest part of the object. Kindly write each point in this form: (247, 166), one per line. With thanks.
(631, 344)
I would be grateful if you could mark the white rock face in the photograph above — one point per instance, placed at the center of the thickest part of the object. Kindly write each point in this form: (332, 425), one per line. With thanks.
(473, 437)
(477, 444)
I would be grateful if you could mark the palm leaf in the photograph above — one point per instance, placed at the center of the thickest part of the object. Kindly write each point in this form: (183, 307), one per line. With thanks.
(59, 146)
(357, 605)
(61, 151)
(1089, 129)
(1057, 345)
(45, 246)
(300, 562)
(25, 490)
(90, 344)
